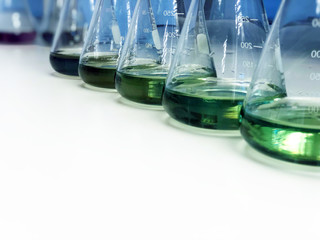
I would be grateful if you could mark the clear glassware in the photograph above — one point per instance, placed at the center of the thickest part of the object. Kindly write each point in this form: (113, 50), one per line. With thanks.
(148, 50)
(281, 113)
(70, 34)
(51, 15)
(16, 23)
(218, 50)
(108, 28)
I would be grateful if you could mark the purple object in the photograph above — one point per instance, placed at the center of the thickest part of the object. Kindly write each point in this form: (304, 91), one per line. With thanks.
(17, 38)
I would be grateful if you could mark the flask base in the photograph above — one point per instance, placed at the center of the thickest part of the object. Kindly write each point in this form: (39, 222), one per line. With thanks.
(203, 131)
(285, 142)
(141, 89)
(66, 64)
(98, 89)
(140, 105)
(97, 76)
(204, 112)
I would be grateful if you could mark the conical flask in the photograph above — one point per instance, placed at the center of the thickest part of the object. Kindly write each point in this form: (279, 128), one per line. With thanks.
(70, 34)
(218, 49)
(52, 10)
(16, 24)
(108, 28)
(148, 50)
(281, 113)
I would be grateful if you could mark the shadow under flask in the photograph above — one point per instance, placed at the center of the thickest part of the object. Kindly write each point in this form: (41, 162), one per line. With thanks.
(149, 49)
(16, 24)
(108, 28)
(69, 37)
(281, 113)
(220, 44)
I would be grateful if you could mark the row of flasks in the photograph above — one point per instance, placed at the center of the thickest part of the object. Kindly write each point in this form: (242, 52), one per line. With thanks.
(212, 65)
(194, 58)
(22, 20)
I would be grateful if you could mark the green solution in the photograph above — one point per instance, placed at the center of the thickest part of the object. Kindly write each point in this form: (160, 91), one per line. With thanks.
(204, 104)
(284, 129)
(99, 71)
(65, 62)
(142, 84)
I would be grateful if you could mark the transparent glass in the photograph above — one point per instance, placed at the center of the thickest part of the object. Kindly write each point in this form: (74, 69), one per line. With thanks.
(51, 14)
(148, 50)
(16, 23)
(70, 34)
(218, 50)
(108, 28)
(281, 113)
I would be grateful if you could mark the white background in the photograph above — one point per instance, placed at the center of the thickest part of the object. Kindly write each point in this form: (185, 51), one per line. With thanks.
(80, 164)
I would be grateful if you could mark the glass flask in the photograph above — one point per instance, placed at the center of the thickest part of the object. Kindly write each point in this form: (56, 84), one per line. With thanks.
(281, 113)
(218, 49)
(52, 10)
(108, 28)
(16, 23)
(70, 34)
(148, 50)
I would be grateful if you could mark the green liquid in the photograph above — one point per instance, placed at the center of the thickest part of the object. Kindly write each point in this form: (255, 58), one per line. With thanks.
(65, 62)
(285, 130)
(145, 89)
(99, 72)
(204, 105)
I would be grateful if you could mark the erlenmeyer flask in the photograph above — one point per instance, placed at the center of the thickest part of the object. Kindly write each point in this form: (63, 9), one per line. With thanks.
(108, 28)
(69, 37)
(16, 25)
(148, 50)
(281, 113)
(52, 10)
(218, 50)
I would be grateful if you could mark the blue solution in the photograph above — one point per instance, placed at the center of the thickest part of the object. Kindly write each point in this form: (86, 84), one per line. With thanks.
(271, 7)
(36, 7)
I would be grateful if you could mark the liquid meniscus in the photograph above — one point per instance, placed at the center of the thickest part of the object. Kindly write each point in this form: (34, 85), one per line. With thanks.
(99, 71)
(285, 129)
